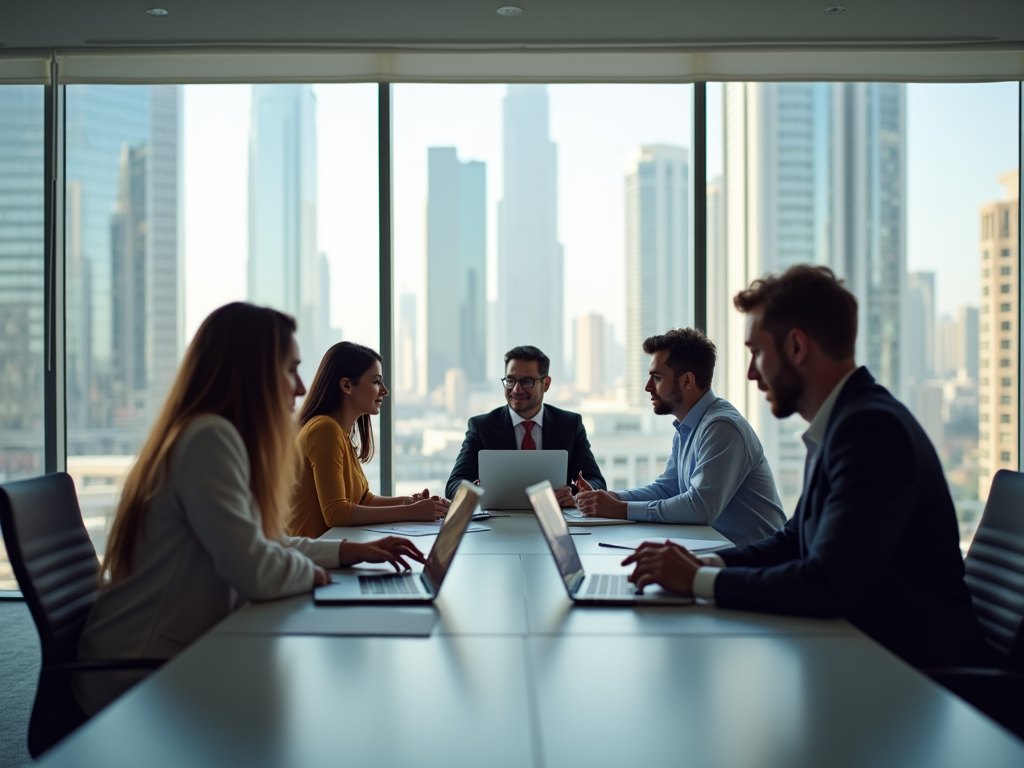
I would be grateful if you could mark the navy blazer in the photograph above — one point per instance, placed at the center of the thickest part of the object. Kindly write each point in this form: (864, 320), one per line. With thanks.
(874, 539)
(562, 430)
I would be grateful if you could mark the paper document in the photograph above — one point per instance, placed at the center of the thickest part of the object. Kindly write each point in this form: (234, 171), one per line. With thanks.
(694, 545)
(418, 529)
(574, 521)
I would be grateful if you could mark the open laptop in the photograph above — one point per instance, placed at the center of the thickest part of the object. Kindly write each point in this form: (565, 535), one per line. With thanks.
(589, 588)
(349, 588)
(506, 473)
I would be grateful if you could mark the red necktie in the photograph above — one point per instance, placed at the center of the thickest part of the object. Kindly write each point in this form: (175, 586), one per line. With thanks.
(528, 444)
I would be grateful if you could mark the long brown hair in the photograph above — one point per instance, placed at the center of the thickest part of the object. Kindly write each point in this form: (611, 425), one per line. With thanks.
(345, 360)
(234, 368)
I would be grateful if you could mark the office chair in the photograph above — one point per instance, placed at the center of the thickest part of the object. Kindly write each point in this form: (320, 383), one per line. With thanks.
(995, 578)
(57, 569)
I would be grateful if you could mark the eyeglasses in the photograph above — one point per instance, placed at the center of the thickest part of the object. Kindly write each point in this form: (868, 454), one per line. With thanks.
(510, 382)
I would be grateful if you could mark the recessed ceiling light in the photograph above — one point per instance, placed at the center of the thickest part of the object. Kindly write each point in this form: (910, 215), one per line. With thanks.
(158, 12)
(833, 10)
(509, 10)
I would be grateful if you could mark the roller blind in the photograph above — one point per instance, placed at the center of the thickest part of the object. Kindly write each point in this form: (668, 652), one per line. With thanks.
(204, 66)
(235, 65)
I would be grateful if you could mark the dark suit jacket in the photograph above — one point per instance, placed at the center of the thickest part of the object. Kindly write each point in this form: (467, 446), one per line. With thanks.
(874, 539)
(562, 430)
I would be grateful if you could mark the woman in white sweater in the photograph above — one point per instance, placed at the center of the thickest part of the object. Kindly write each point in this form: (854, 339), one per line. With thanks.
(199, 528)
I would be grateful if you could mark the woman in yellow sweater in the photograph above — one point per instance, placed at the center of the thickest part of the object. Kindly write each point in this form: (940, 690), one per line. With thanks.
(347, 390)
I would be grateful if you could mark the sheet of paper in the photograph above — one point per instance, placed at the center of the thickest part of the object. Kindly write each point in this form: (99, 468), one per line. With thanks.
(583, 521)
(418, 529)
(694, 545)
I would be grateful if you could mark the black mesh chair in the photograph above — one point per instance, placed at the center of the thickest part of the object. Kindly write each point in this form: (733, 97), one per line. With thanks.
(995, 577)
(57, 569)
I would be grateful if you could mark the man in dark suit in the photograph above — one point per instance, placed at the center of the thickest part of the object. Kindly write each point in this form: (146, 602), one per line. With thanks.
(527, 423)
(874, 538)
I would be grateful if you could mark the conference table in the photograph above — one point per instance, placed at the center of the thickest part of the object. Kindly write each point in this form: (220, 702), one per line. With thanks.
(503, 670)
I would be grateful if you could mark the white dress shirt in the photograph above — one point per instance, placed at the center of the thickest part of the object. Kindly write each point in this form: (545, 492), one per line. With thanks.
(538, 423)
(704, 579)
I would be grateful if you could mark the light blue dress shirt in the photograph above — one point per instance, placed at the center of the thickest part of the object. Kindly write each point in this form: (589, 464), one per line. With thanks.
(717, 475)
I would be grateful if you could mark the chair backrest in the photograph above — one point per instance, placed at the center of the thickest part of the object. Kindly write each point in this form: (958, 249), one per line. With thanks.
(995, 568)
(52, 558)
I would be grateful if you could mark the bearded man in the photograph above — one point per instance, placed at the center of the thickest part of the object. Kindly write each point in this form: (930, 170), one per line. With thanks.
(717, 473)
(874, 538)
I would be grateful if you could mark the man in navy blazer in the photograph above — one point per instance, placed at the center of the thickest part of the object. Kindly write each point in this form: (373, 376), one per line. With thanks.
(527, 422)
(874, 538)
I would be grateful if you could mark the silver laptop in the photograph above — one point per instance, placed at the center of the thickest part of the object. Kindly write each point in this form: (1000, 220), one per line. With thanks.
(506, 473)
(592, 588)
(370, 587)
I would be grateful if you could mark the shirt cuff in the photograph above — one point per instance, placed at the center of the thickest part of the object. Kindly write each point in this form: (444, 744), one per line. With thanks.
(637, 510)
(704, 583)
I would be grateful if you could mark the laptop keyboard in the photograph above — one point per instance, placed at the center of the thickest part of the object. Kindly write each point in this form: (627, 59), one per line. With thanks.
(609, 585)
(388, 584)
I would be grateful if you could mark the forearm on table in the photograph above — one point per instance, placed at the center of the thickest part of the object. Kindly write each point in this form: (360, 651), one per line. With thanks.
(370, 515)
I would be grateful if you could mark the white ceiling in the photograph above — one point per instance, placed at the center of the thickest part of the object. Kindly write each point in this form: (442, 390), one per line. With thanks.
(717, 24)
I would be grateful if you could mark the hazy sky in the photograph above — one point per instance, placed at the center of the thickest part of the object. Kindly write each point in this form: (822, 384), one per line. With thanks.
(960, 138)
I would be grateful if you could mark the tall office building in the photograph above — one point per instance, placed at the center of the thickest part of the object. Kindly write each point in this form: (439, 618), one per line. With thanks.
(124, 299)
(286, 270)
(591, 348)
(456, 267)
(531, 277)
(956, 345)
(657, 254)
(406, 373)
(998, 439)
(919, 328)
(815, 173)
(22, 255)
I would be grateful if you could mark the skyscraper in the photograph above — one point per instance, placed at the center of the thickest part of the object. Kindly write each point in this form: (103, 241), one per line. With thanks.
(22, 255)
(919, 328)
(407, 375)
(591, 347)
(531, 278)
(815, 173)
(285, 270)
(998, 439)
(456, 267)
(657, 254)
(124, 266)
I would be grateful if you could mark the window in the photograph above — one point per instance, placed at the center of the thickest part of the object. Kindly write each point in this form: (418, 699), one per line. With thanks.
(268, 186)
(1005, 418)
(555, 216)
(923, 341)
(1004, 344)
(22, 254)
(1005, 400)
(1004, 456)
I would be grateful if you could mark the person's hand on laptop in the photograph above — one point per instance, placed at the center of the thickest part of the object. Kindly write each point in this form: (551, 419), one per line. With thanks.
(601, 504)
(390, 549)
(667, 565)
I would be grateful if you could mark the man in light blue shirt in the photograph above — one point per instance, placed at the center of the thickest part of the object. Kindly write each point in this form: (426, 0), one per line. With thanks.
(717, 473)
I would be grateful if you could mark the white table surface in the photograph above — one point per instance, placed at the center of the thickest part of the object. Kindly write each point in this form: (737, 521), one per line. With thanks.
(514, 675)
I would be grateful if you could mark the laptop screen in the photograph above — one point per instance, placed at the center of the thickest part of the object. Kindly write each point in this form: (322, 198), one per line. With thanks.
(454, 526)
(552, 523)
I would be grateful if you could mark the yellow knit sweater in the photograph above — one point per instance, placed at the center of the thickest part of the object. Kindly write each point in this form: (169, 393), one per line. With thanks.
(331, 479)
